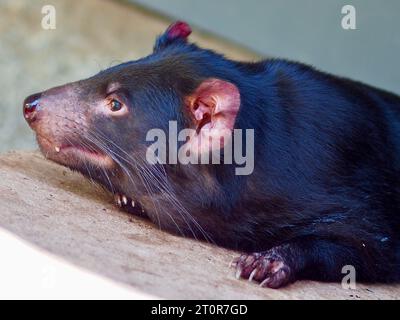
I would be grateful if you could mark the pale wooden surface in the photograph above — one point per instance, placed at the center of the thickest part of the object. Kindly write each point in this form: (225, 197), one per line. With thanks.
(30, 272)
(61, 212)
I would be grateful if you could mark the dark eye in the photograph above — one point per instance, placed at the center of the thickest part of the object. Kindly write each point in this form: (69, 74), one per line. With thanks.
(115, 105)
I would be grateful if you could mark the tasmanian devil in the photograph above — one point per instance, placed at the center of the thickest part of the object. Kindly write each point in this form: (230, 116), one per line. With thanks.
(324, 192)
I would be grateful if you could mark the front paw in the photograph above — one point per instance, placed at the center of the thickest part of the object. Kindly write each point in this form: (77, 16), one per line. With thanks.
(269, 268)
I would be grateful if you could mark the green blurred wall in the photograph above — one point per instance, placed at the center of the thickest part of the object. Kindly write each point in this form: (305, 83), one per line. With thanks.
(306, 30)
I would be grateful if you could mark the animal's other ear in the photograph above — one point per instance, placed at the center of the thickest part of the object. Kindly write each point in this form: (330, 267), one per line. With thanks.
(213, 107)
(178, 31)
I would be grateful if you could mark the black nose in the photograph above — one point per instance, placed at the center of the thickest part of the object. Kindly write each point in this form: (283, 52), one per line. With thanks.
(31, 106)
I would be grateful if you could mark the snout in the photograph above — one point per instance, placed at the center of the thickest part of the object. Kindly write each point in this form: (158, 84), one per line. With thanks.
(31, 107)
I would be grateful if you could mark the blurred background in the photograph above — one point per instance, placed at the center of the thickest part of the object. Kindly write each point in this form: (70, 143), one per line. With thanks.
(91, 35)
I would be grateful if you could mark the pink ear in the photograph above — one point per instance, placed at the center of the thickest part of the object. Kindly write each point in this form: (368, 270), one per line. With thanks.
(213, 106)
(178, 31)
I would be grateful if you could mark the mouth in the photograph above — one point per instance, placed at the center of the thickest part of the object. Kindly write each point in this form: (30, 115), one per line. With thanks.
(72, 154)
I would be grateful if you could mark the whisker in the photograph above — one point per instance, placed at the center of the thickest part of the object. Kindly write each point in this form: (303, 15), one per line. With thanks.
(151, 177)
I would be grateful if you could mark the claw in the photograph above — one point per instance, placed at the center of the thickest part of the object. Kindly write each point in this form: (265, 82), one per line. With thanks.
(264, 282)
(125, 200)
(252, 274)
(268, 267)
(238, 272)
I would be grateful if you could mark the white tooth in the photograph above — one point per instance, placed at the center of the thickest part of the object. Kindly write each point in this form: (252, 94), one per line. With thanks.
(142, 210)
(124, 200)
(133, 203)
(57, 149)
(118, 199)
